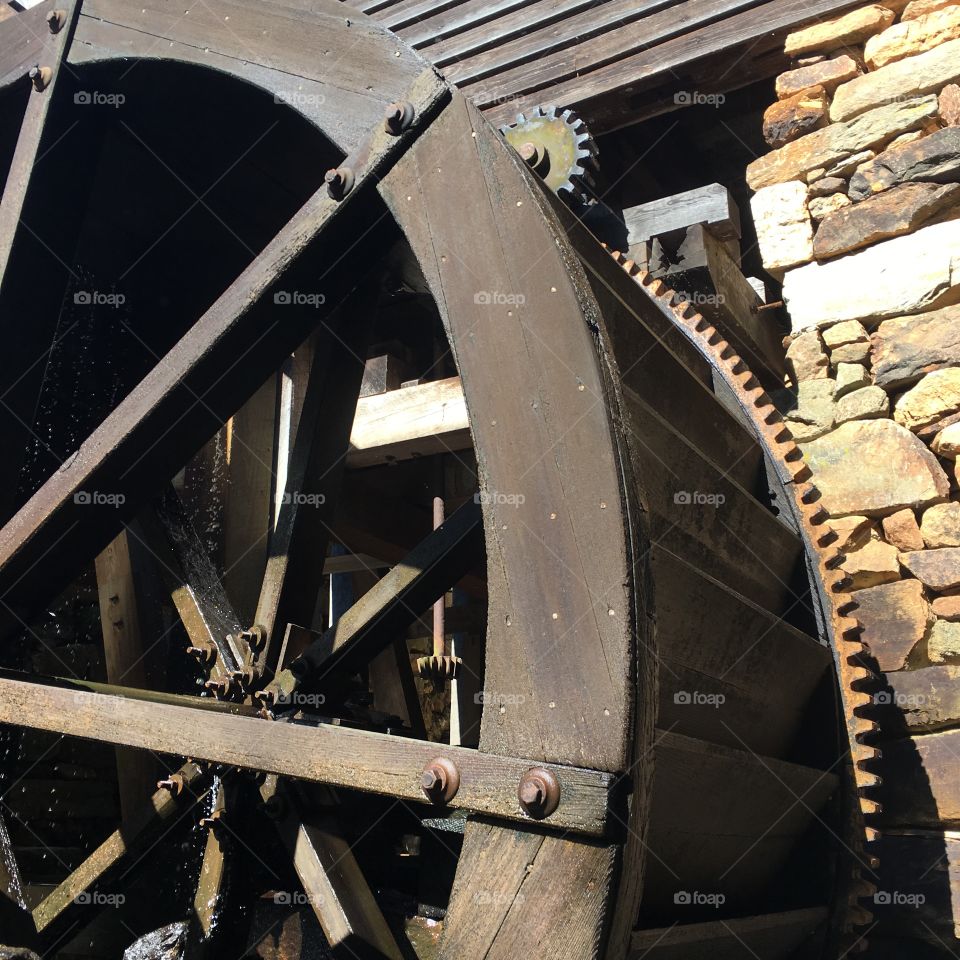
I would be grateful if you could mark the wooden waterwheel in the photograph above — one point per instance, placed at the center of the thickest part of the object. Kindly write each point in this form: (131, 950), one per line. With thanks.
(636, 733)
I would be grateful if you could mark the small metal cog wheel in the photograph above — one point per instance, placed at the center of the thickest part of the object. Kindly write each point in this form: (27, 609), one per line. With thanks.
(557, 146)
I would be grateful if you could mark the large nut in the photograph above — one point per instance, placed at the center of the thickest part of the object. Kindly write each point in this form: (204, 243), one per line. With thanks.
(440, 780)
(538, 793)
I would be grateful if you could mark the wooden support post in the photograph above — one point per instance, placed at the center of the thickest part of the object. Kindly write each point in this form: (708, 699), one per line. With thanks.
(124, 655)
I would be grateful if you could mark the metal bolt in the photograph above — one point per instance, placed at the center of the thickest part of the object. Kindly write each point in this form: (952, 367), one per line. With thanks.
(539, 793)
(255, 638)
(40, 77)
(339, 182)
(205, 654)
(173, 783)
(440, 780)
(221, 688)
(56, 19)
(211, 822)
(775, 305)
(398, 116)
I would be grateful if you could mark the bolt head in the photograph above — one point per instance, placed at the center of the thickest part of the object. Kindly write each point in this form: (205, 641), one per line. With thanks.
(397, 117)
(440, 780)
(538, 793)
(56, 19)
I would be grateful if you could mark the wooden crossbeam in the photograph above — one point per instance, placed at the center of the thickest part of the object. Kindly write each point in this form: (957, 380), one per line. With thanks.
(204, 378)
(393, 604)
(326, 753)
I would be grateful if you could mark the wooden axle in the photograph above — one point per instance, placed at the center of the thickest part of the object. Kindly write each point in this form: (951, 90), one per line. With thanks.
(325, 753)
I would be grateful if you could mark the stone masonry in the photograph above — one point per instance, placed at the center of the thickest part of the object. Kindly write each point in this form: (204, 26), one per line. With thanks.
(857, 210)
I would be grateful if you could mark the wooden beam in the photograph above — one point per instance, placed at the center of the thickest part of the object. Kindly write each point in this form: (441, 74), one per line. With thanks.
(413, 422)
(336, 755)
(124, 655)
(711, 204)
(203, 379)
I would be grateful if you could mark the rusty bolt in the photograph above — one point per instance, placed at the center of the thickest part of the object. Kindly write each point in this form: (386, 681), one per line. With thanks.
(205, 654)
(339, 182)
(539, 793)
(243, 678)
(398, 117)
(40, 77)
(221, 688)
(173, 783)
(56, 19)
(266, 698)
(440, 780)
(211, 822)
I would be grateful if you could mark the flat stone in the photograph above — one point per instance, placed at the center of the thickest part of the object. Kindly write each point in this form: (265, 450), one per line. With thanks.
(864, 404)
(809, 410)
(850, 331)
(937, 569)
(910, 37)
(904, 275)
(848, 30)
(905, 349)
(934, 159)
(923, 73)
(902, 471)
(902, 531)
(947, 442)
(784, 230)
(788, 119)
(949, 101)
(850, 353)
(874, 563)
(825, 74)
(821, 207)
(940, 526)
(891, 214)
(895, 618)
(920, 8)
(936, 396)
(943, 644)
(827, 186)
(850, 377)
(852, 532)
(830, 145)
(806, 358)
(947, 608)
(847, 166)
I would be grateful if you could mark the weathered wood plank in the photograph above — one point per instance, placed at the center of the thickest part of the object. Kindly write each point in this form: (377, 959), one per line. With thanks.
(124, 655)
(770, 936)
(413, 422)
(710, 204)
(326, 753)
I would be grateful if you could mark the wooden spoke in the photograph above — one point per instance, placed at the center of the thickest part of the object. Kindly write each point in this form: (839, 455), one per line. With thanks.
(210, 885)
(164, 804)
(391, 605)
(294, 570)
(335, 755)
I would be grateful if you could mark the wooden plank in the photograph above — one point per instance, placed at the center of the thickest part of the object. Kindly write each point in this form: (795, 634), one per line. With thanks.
(396, 600)
(124, 656)
(568, 37)
(711, 204)
(23, 41)
(590, 86)
(413, 422)
(336, 755)
(770, 936)
(248, 510)
(182, 400)
(465, 42)
(213, 866)
(723, 822)
(730, 672)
